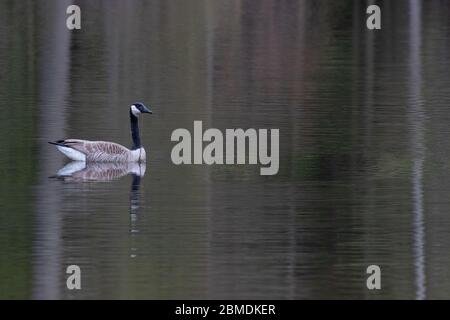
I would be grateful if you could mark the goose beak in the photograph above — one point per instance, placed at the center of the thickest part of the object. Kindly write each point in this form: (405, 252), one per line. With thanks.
(146, 110)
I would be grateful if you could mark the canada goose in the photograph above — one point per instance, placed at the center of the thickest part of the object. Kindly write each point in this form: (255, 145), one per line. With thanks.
(103, 151)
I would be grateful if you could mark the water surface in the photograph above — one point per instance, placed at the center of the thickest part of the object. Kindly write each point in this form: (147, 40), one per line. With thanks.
(364, 149)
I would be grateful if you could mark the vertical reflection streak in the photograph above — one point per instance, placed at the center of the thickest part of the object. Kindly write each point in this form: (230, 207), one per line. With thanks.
(53, 64)
(209, 47)
(417, 143)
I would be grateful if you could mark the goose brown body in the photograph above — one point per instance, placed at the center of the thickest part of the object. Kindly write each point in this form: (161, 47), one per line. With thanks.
(104, 151)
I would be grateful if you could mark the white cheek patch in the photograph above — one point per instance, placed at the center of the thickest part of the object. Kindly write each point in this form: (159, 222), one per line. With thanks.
(135, 110)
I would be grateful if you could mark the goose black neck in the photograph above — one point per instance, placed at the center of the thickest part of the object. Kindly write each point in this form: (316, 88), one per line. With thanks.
(135, 132)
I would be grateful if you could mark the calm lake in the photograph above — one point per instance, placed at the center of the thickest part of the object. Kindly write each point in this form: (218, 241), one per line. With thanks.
(364, 175)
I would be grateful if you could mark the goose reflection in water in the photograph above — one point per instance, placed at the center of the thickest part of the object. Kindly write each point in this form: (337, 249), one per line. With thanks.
(80, 171)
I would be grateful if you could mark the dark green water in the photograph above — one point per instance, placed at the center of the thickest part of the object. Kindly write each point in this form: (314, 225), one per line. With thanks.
(364, 171)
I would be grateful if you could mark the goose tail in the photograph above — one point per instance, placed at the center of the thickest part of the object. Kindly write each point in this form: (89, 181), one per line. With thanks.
(58, 143)
(69, 149)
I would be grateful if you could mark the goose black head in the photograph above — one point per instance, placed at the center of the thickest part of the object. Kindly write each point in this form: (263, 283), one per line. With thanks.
(137, 108)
